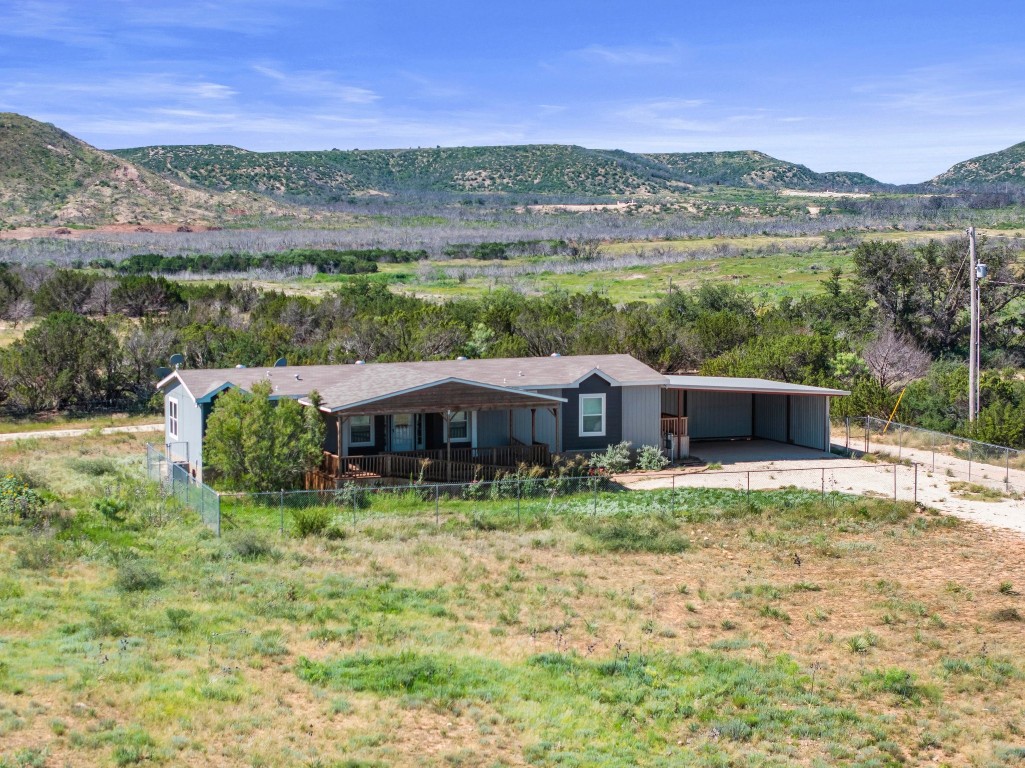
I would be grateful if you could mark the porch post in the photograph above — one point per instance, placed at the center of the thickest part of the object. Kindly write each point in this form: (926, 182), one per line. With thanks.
(447, 418)
(556, 411)
(339, 442)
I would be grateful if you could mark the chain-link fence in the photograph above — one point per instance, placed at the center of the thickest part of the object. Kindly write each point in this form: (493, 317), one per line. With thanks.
(178, 483)
(531, 502)
(953, 456)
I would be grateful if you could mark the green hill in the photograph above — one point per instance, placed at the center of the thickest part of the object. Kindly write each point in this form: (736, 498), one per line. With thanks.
(1004, 167)
(544, 169)
(49, 177)
(756, 169)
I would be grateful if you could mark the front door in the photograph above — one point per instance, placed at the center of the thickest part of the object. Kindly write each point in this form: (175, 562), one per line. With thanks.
(402, 436)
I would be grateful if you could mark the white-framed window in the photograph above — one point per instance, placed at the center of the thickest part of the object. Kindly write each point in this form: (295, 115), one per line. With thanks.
(592, 415)
(459, 427)
(361, 430)
(172, 417)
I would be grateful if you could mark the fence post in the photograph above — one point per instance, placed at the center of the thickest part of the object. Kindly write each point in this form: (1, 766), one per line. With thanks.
(218, 515)
(971, 445)
(281, 510)
(672, 496)
(437, 508)
(149, 463)
(916, 483)
(749, 489)
(895, 481)
(594, 493)
(847, 445)
(1007, 466)
(868, 437)
(932, 444)
(823, 492)
(900, 442)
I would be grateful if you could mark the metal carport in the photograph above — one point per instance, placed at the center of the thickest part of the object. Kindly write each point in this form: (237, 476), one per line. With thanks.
(718, 408)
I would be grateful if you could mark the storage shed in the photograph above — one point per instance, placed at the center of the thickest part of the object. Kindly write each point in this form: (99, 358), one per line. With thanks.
(719, 408)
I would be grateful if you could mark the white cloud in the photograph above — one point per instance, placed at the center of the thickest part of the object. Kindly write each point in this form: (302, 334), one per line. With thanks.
(630, 56)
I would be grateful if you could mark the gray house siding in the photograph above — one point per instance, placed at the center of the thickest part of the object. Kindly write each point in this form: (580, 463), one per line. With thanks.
(188, 444)
(718, 414)
(492, 429)
(571, 438)
(641, 417)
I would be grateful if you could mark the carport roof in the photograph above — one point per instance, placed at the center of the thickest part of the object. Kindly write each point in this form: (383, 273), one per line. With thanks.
(750, 386)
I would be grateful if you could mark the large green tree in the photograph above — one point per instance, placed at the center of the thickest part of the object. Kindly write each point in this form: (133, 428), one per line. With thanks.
(255, 443)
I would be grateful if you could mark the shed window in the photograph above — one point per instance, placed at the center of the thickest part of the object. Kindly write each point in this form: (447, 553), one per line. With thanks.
(172, 417)
(361, 430)
(592, 415)
(459, 427)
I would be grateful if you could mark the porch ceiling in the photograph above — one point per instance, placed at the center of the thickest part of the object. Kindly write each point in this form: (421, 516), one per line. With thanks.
(445, 395)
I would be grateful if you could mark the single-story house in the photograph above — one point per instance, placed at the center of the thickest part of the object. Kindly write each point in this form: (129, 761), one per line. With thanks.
(473, 418)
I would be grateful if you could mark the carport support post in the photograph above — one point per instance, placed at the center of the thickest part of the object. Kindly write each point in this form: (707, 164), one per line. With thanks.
(447, 417)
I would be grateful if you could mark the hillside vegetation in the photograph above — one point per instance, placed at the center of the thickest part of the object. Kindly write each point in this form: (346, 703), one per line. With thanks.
(49, 177)
(544, 169)
(1004, 167)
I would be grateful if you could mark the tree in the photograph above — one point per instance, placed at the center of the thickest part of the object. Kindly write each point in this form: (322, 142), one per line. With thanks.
(256, 444)
(142, 295)
(894, 360)
(66, 360)
(66, 290)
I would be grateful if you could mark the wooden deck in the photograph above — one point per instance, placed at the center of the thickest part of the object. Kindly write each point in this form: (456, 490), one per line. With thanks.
(465, 465)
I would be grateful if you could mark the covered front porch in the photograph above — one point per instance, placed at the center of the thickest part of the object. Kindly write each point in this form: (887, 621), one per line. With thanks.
(449, 431)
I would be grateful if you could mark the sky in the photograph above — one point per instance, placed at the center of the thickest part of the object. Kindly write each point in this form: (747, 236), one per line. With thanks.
(898, 90)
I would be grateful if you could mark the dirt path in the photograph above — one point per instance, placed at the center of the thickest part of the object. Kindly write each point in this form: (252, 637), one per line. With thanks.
(12, 436)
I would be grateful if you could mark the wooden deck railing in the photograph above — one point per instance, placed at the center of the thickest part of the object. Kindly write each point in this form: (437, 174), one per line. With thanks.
(467, 465)
(674, 425)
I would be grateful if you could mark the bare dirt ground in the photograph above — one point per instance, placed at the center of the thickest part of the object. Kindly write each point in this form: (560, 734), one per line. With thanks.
(748, 465)
(810, 193)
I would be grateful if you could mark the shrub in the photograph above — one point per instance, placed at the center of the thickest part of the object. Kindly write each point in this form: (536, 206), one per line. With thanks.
(39, 553)
(311, 522)
(137, 576)
(615, 459)
(651, 458)
(1007, 614)
(180, 619)
(250, 545)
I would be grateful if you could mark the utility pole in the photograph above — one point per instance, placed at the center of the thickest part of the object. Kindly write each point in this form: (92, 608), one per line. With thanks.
(973, 345)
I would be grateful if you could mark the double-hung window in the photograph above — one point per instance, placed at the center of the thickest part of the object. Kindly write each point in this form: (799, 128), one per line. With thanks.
(592, 415)
(361, 430)
(172, 418)
(459, 427)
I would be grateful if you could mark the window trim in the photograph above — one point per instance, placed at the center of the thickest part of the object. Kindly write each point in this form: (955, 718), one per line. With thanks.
(361, 443)
(604, 414)
(172, 419)
(469, 428)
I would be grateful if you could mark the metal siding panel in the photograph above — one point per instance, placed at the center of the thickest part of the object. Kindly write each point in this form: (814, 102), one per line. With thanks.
(771, 417)
(718, 414)
(641, 415)
(492, 429)
(807, 421)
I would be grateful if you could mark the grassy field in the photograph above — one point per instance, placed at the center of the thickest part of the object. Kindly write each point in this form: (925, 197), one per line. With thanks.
(768, 267)
(46, 422)
(129, 634)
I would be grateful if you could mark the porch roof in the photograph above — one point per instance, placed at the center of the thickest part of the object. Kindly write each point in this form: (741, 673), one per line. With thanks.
(449, 394)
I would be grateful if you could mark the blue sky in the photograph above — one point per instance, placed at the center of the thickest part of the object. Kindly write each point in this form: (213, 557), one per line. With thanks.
(898, 90)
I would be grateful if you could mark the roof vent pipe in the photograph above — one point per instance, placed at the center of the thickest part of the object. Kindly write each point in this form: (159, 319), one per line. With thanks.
(361, 362)
(555, 354)
(461, 357)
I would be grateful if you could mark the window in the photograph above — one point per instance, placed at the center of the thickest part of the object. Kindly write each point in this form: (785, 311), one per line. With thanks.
(592, 415)
(172, 418)
(361, 430)
(459, 427)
